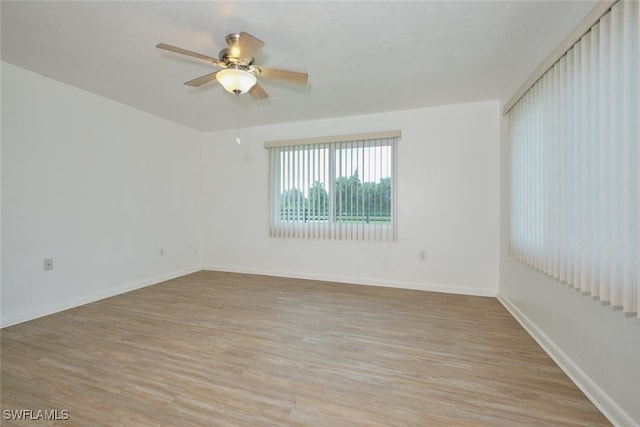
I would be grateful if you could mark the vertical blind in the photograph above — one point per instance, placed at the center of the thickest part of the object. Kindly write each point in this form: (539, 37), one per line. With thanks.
(574, 164)
(334, 188)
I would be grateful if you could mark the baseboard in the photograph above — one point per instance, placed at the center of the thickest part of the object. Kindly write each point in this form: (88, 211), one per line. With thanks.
(616, 415)
(55, 308)
(449, 289)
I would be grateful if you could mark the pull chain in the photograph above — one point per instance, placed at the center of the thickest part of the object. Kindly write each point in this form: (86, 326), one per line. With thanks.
(237, 118)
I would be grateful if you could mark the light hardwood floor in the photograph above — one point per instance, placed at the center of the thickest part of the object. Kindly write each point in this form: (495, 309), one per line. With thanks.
(223, 349)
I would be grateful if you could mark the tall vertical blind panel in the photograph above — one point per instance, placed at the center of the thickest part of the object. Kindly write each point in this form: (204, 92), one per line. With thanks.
(574, 164)
(336, 190)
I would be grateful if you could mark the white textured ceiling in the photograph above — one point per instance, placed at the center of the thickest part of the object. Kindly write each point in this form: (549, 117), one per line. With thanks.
(362, 56)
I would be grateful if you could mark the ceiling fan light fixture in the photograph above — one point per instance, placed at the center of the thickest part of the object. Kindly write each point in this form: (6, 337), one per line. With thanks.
(235, 80)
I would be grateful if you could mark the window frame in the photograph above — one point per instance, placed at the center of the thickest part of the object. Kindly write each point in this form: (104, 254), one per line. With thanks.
(334, 227)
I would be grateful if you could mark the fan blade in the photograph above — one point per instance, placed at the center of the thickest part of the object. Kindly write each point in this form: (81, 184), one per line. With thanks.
(248, 45)
(290, 76)
(187, 52)
(257, 92)
(202, 79)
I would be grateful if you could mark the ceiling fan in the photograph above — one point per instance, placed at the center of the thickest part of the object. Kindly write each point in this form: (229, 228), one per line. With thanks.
(239, 72)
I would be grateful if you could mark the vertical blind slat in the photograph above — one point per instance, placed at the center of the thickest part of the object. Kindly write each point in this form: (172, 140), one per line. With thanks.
(628, 156)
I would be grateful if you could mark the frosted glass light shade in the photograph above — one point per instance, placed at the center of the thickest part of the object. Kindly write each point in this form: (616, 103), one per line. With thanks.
(236, 81)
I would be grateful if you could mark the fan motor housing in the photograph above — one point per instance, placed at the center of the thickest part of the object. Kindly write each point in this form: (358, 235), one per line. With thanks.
(227, 57)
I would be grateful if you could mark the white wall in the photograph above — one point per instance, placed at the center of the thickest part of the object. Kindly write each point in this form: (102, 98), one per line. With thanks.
(99, 187)
(448, 203)
(597, 346)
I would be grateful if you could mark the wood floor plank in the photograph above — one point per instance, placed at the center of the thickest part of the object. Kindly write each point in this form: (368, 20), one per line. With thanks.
(226, 349)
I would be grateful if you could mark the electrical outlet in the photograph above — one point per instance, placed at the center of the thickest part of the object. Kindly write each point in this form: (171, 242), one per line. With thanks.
(422, 255)
(48, 264)
(161, 252)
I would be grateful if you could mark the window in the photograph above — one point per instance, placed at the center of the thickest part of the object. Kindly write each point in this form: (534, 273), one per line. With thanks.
(574, 165)
(339, 187)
